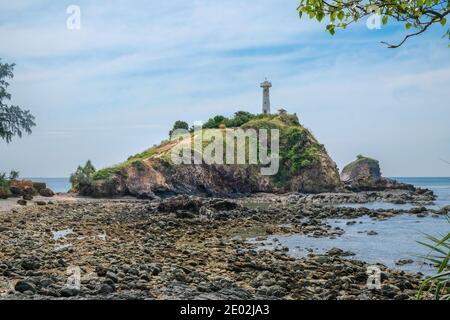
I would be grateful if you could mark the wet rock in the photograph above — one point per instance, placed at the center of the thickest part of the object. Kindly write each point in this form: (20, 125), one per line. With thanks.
(31, 263)
(335, 252)
(46, 192)
(372, 233)
(402, 262)
(445, 210)
(23, 286)
(339, 252)
(22, 202)
(223, 205)
(101, 271)
(69, 292)
(389, 291)
(27, 197)
(106, 289)
(184, 203)
(112, 276)
(418, 210)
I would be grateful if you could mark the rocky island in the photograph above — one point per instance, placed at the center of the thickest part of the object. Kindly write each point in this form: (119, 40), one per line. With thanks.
(305, 167)
(149, 229)
(127, 191)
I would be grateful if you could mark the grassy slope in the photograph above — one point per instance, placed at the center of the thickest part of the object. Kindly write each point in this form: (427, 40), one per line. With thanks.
(298, 147)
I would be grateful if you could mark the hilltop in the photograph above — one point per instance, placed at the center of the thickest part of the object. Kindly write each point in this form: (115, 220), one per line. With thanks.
(304, 166)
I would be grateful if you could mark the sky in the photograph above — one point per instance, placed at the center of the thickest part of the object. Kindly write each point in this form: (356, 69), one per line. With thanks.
(115, 86)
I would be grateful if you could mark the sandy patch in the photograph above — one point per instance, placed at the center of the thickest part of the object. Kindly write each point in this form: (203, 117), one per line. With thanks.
(11, 203)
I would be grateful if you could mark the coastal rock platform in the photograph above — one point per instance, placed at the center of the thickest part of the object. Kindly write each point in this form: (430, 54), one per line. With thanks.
(180, 248)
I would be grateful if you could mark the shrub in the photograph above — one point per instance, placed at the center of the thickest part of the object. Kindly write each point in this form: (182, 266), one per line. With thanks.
(139, 165)
(179, 125)
(13, 175)
(5, 192)
(439, 256)
(81, 179)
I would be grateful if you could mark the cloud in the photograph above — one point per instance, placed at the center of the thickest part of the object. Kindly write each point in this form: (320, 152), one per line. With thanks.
(115, 87)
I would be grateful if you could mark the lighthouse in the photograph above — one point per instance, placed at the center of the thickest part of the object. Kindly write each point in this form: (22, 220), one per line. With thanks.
(266, 85)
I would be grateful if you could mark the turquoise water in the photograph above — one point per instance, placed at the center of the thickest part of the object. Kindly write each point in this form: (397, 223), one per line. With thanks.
(56, 184)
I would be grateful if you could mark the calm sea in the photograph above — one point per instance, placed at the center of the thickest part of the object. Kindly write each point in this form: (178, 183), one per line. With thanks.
(396, 237)
(440, 186)
(56, 184)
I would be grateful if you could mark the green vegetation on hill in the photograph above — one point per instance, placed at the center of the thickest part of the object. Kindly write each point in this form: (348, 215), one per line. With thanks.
(359, 160)
(298, 147)
(135, 160)
(239, 118)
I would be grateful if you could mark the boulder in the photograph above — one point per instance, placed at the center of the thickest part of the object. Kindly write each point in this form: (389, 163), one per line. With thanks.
(31, 263)
(178, 203)
(362, 168)
(23, 286)
(402, 262)
(38, 186)
(46, 192)
(22, 187)
(364, 174)
(445, 210)
(69, 292)
(27, 197)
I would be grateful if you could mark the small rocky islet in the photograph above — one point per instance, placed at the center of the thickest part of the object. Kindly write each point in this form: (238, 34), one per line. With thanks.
(175, 239)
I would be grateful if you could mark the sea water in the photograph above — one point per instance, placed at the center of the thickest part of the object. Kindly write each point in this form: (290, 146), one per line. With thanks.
(56, 184)
(396, 238)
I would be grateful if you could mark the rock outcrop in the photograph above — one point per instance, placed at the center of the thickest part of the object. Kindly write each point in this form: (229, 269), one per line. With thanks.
(305, 166)
(364, 174)
(362, 168)
(24, 188)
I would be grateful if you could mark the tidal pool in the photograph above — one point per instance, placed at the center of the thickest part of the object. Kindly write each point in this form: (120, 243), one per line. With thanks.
(60, 234)
(396, 238)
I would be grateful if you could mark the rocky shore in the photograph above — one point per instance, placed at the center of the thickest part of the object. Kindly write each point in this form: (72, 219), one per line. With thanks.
(185, 248)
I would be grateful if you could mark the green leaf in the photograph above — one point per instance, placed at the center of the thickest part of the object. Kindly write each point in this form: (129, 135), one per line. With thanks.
(319, 16)
(443, 21)
(408, 26)
(385, 19)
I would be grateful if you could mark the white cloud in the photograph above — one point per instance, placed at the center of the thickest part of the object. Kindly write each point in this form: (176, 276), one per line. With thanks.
(115, 87)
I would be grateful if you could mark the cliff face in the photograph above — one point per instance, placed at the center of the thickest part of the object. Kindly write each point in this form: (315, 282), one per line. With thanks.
(304, 167)
(362, 168)
(364, 174)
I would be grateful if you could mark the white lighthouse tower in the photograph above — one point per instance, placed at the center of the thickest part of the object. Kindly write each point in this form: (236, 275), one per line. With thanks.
(266, 97)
